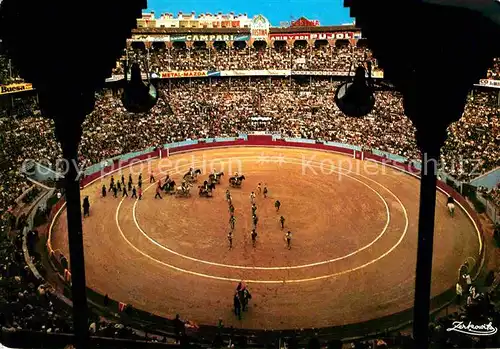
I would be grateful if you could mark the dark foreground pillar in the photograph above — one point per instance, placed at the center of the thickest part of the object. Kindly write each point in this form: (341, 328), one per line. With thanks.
(426, 217)
(69, 114)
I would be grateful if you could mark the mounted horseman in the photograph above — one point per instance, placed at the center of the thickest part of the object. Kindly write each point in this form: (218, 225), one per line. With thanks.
(184, 190)
(451, 205)
(192, 175)
(206, 189)
(236, 180)
(169, 185)
(215, 177)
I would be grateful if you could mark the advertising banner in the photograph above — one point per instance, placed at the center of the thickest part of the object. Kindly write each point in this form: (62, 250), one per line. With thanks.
(304, 22)
(490, 83)
(282, 72)
(162, 38)
(149, 38)
(188, 74)
(375, 74)
(316, 36)
(319, 73)
(13, 88)
(144, 76)
(115, 78)
(210, 37)
(255, 73)
(259, 28)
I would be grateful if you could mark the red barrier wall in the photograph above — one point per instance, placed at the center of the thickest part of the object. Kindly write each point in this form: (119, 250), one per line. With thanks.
(256, 141)
(184, 148)
(117, 165)
(260, 138)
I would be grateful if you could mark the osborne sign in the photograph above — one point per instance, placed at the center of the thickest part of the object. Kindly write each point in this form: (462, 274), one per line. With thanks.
(304, 22)
(259, 28)
(149, 38)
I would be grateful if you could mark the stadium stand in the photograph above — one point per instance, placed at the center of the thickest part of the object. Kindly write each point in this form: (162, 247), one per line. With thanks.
(197, 109)
(179, 58)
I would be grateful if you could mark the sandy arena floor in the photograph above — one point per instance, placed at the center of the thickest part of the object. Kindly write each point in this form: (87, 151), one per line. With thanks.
(354, 226)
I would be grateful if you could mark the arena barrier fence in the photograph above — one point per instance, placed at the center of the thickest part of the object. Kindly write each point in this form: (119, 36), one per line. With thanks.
(115, 164)
(41, 201)
(26, 192)
(492, 210)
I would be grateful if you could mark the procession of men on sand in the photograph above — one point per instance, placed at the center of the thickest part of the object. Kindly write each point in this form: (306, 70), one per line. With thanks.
(137, 194)
(255, 219)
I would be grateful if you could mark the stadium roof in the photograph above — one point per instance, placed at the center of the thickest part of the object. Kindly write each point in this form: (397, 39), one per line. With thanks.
(272, 30)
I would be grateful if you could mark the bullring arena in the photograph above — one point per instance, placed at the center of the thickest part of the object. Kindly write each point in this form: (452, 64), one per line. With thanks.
(354, 224)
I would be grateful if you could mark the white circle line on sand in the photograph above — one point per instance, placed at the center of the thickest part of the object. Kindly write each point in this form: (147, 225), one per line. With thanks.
(105, 175)
(166, 248)
(207, 276)
(262, 281)
(273, 281)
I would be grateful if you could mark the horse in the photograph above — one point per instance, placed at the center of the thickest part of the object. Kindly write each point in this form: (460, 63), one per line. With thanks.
(215, 177)
(169, 187)
(206, 189)
(183, 191)
(192, 175)
(211, 179)
(451, 206)
(235, 181)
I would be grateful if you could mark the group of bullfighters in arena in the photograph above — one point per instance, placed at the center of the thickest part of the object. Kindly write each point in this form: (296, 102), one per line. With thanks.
(119, 186)
(205, 190)
(167, 187)
(255, 218)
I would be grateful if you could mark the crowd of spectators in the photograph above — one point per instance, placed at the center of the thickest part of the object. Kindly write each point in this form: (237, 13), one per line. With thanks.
(8, 72)
(202, 108)
(219, 108)
(475, 306)
(28, 303)
(21, 140)
(25, 302)
(20, 107)
(494, 72)
(240, 56)
(473, 142)
(491, 194)
(495, 195)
